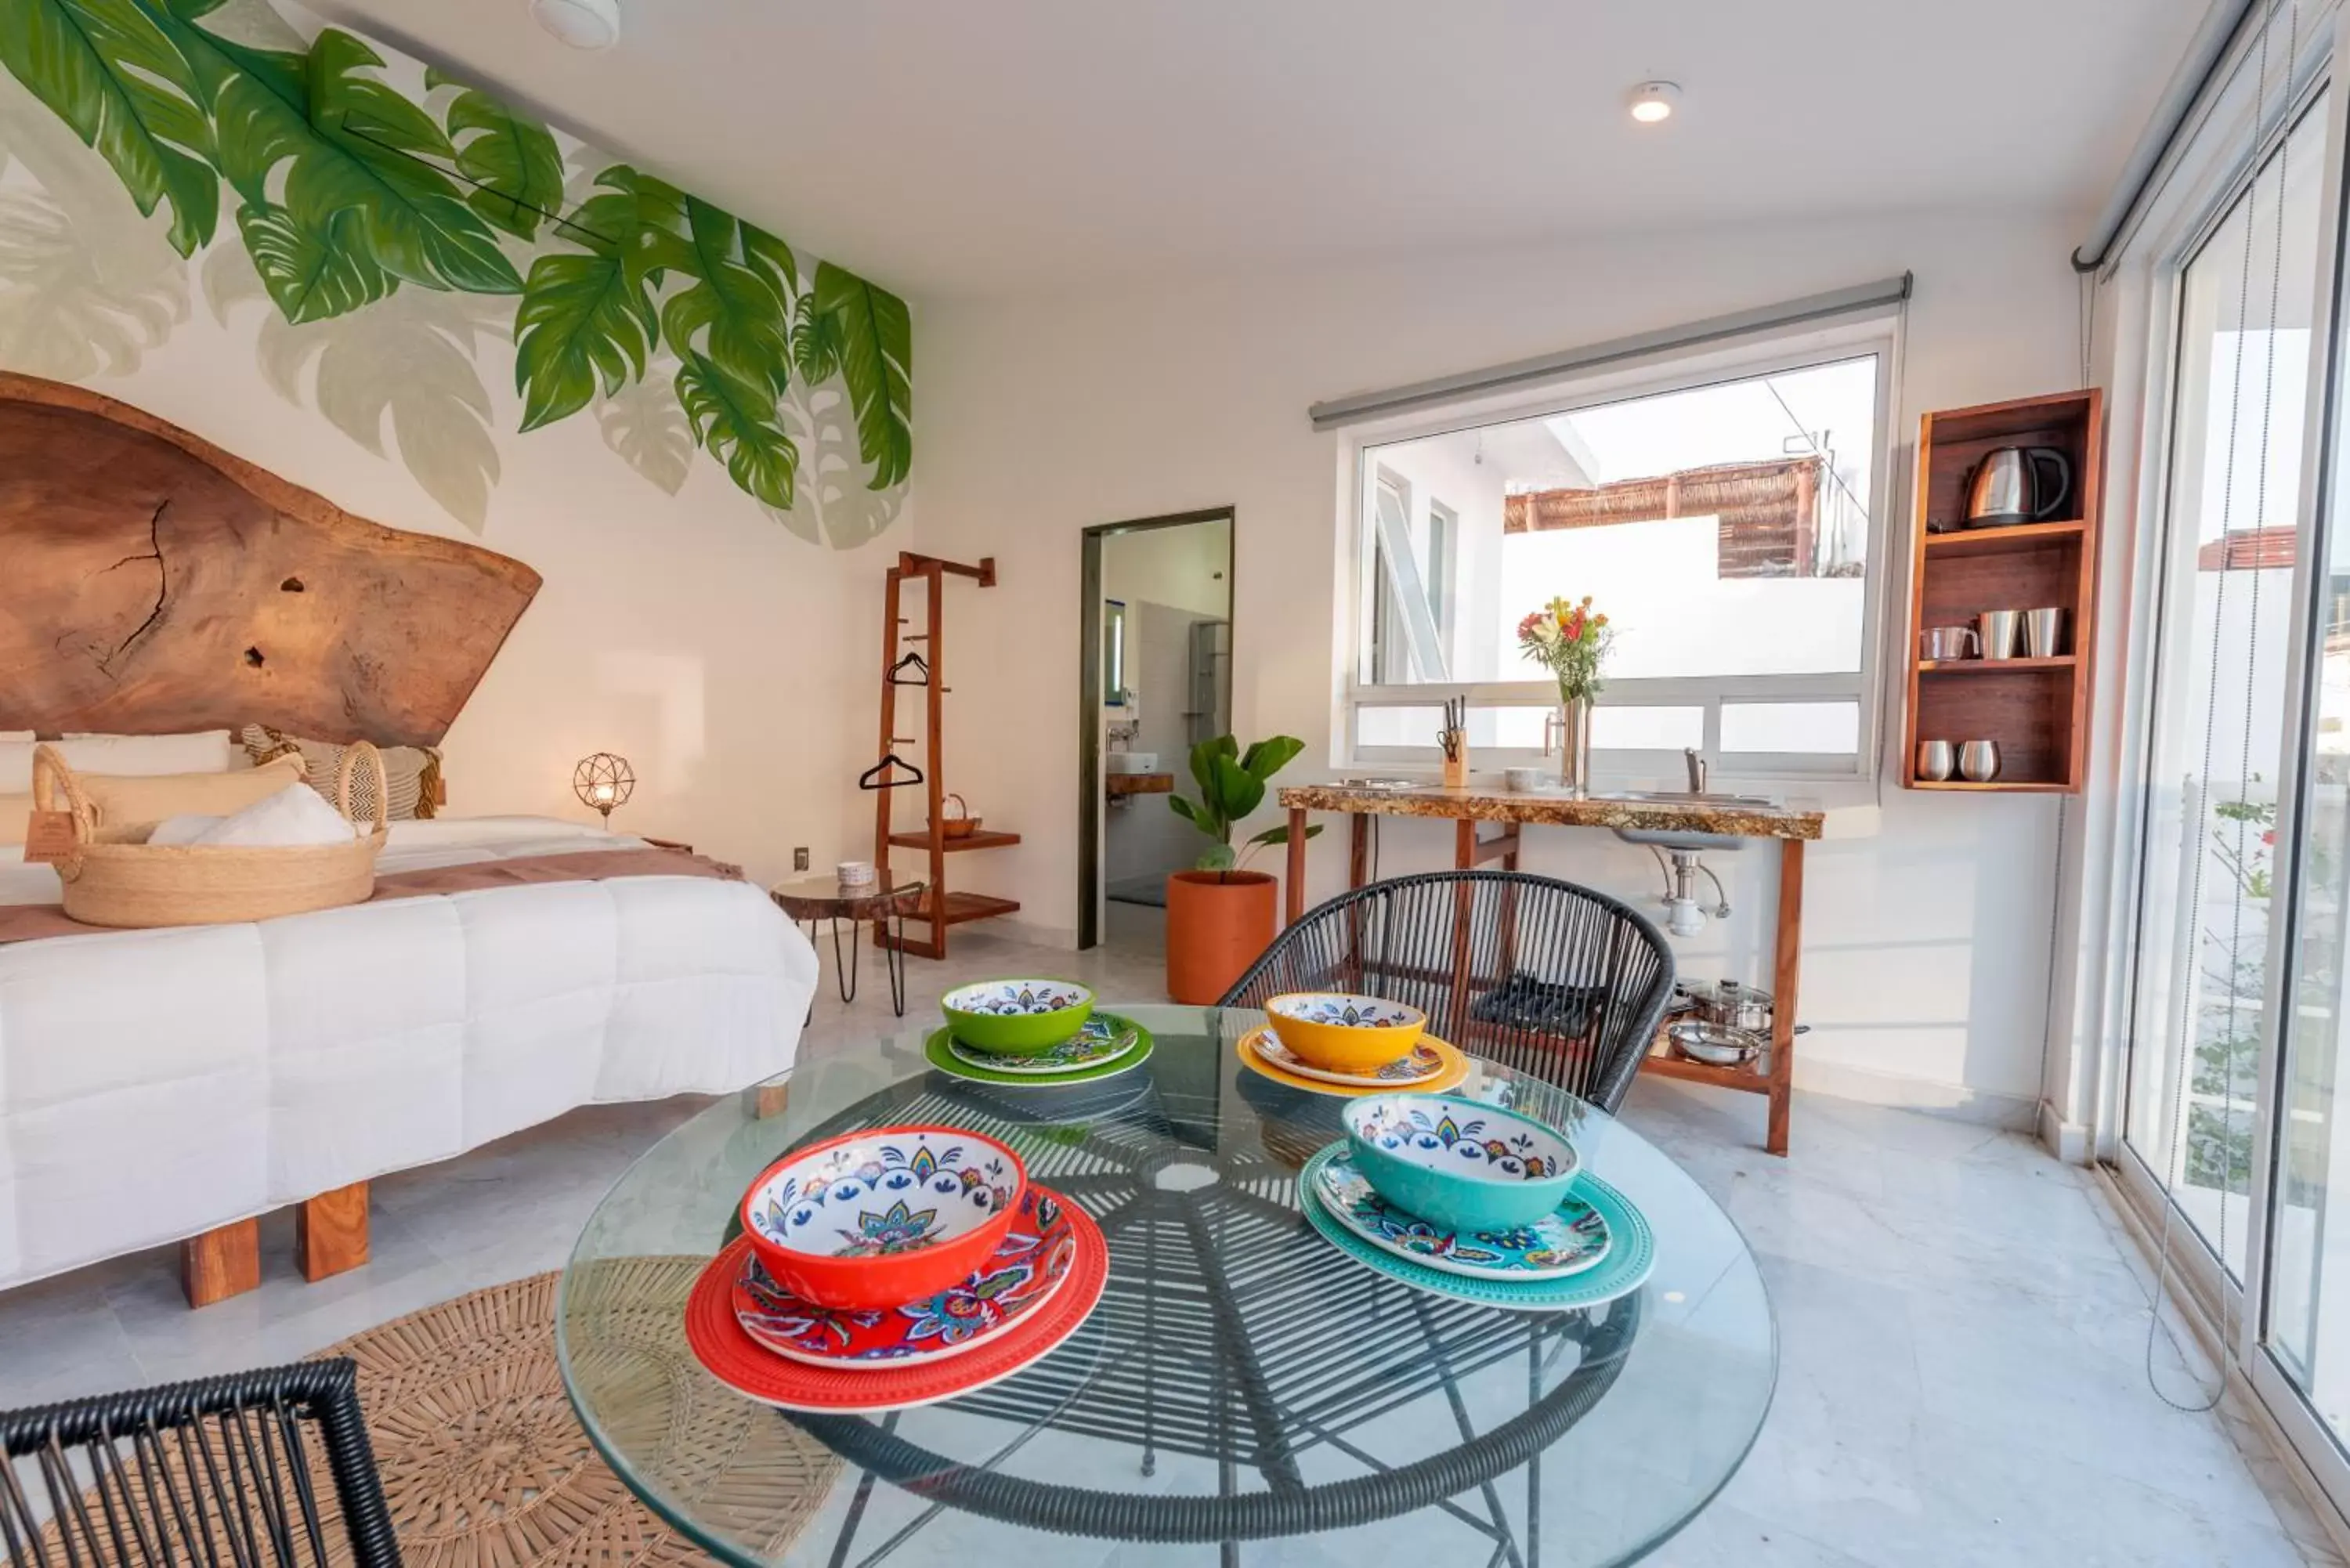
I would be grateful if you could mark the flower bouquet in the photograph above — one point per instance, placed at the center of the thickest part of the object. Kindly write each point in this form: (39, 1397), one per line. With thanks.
(1571, 641)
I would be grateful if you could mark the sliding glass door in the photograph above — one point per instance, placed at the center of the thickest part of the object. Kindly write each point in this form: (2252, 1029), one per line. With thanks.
(2222, 659)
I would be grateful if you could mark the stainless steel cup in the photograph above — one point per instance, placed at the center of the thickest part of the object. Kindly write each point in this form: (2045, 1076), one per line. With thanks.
(2001, 632)
(1979, 761)
(1940, 642)
(2043, 633)
(1935, 760)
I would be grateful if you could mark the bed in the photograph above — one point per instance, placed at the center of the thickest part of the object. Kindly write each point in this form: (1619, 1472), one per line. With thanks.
(171, 1084)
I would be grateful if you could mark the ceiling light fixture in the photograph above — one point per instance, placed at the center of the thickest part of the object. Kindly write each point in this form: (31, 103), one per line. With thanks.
(1653, 102)
(582, 24)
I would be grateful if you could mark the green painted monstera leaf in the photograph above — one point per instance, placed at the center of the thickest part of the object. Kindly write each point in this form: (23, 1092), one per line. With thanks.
(874, 339)
(509, 161)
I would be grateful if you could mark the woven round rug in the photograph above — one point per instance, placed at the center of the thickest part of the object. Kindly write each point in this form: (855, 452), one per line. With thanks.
(483, 1461)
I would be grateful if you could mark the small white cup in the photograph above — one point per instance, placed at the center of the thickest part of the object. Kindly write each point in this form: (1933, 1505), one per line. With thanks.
(1521, 779)
(855, 873)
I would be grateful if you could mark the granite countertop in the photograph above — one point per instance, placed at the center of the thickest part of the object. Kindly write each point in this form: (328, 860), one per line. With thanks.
(1487, 804)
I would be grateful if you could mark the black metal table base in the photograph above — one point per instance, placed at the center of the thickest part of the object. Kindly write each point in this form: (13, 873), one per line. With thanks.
(844, 970)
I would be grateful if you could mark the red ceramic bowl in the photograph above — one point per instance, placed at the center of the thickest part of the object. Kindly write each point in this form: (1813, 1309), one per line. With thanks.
(877, 1219)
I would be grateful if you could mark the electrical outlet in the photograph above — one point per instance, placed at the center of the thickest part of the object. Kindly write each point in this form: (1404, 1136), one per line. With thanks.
(799, 858)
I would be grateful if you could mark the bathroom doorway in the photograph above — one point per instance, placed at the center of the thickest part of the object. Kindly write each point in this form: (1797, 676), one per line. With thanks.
(1157, 680)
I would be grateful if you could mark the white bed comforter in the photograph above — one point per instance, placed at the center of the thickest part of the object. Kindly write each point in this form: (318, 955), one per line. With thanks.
(154, 1084)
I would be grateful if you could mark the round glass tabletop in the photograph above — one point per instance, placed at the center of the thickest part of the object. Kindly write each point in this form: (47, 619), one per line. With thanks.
(1245, 1390)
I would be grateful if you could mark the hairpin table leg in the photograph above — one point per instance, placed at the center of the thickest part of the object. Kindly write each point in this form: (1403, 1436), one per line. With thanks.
(896, 960)
(846, 973)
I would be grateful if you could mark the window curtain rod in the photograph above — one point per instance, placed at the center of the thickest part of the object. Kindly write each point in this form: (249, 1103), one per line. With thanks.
(1363, 406)
(2205, 54)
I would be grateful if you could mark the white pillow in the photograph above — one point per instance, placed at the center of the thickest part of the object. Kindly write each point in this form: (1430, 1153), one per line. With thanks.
(294, 814)
(16, 765)
(184, 828)
(15, 734)
(142, 756)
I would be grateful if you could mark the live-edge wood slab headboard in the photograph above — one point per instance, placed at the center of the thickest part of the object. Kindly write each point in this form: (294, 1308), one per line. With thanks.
(151, 583)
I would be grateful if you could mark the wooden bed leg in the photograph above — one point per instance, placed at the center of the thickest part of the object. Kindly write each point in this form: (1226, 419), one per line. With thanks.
(771, 1100)
(1787, 971)
(331, 1231)
(220, 1263)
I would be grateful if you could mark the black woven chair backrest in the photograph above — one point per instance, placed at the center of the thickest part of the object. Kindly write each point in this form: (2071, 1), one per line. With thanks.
(1539, 975)
(224, 1472)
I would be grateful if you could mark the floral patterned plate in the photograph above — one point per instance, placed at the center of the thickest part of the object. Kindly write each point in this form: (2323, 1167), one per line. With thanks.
(1573, 1238)
(1022, 1276)
(1105, 1038)
(1456, 1071)
(1424, 1062)
(1630, 1256)
(940, 1052)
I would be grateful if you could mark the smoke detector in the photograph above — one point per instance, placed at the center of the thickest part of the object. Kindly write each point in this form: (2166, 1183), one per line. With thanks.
(582, 24)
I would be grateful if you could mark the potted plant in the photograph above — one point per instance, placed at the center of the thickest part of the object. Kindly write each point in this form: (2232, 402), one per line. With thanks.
(1219, 917)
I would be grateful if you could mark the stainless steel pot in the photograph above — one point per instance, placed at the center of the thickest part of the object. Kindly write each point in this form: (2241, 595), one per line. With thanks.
(1715, 1044)
(1729, 1005)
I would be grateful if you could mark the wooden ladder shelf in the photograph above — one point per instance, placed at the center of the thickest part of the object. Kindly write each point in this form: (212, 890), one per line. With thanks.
(939, 908)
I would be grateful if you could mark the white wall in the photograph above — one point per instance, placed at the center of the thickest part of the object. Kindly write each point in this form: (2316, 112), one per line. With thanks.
(1925, 948)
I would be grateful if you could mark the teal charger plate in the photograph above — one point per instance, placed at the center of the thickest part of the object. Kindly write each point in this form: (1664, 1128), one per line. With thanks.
(1630, 1257)
(934, 1050)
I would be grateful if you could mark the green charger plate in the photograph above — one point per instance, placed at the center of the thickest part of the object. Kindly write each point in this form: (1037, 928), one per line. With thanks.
(947, 1062)
(1630, 1256)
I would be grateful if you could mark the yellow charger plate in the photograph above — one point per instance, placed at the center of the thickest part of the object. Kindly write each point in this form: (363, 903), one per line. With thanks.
(1454, 1072)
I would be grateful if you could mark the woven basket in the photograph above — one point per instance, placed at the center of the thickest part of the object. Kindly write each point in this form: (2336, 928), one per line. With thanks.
(961, 824)
(115, 882)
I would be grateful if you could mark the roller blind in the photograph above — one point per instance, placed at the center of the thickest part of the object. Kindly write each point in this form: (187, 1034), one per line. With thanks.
(1363, 406)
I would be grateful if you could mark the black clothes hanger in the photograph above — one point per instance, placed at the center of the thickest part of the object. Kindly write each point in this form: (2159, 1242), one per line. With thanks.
(871, 777)
(920, 667)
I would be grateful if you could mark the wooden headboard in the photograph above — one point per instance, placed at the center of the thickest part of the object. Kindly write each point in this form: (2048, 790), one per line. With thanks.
(150, 584)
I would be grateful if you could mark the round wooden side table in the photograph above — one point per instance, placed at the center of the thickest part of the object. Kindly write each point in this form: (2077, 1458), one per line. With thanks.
(811, 901)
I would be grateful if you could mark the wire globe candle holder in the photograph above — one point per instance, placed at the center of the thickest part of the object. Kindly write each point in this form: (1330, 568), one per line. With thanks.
(604, 781)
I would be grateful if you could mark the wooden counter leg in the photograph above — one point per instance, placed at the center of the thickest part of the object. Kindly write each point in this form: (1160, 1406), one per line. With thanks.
(330, 1232)
(220, 1263)
(1292, 891)
(1359, 850)
(1787, 971)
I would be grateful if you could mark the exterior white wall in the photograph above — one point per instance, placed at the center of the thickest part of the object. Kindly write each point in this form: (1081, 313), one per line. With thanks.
(1925, 947)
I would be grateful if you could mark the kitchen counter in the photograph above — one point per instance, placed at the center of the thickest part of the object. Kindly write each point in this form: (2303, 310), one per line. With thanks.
(1533, 808)
(1514, 811)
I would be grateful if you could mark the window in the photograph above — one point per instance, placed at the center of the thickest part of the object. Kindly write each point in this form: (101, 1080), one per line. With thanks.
(1728, 514)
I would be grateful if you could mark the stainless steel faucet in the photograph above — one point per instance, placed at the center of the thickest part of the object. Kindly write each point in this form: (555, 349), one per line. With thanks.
(1696, 769)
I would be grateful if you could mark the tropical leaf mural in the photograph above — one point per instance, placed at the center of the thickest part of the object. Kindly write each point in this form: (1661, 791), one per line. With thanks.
(344, 189)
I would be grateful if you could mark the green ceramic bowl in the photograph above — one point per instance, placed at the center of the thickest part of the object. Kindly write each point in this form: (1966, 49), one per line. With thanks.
(1018, 1017)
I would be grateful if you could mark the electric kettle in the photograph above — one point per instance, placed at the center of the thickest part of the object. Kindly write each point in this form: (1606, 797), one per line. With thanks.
(2006, 487)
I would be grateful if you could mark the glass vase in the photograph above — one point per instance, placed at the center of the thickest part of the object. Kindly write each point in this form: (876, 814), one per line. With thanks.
(1575, 745)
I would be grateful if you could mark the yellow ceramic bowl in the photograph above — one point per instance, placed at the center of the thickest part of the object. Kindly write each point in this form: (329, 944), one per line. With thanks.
(1340, 1032)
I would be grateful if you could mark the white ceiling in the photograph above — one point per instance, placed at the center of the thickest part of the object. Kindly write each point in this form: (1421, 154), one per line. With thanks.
(963, 147)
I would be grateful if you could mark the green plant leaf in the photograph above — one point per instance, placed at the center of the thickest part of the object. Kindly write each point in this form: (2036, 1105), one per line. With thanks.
(1203, 765)
(350, 150)
(511, 161)
(1238, 791)
(816, 342)
(581, 321)
(112, 72)
(736, 420)
(1269, 756)
(1182, 808)
(728, 313)
(772, 260)
(877, 360)
(1281, 834)
(1215, 858)
(310, 276)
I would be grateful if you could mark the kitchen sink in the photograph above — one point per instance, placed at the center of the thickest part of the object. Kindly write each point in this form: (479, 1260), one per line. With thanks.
(1674, 838)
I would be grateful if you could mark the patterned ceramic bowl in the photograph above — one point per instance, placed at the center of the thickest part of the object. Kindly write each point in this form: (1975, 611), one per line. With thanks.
(1343, 1033)
(877, 1219)
(1456, 1163)
(1017, 1017)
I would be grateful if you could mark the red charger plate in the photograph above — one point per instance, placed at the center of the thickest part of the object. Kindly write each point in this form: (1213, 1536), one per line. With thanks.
(737, 1360)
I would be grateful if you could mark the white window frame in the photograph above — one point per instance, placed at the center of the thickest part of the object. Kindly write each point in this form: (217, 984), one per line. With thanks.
(1876, 331)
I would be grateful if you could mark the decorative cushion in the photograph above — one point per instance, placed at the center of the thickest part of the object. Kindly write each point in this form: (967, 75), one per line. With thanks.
(145, 757)
(293, 816)
(123, 802)
(412, 773)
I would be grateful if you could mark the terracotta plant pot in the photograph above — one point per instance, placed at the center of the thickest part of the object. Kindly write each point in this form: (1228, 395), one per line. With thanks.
(1218, 922)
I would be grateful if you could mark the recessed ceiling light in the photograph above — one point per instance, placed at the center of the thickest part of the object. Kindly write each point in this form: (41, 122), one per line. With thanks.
(582, 24)
(1655, 101)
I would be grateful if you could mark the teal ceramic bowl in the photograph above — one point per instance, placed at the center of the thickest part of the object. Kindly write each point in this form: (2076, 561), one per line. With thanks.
(1017, 1017)
(1457, 1164)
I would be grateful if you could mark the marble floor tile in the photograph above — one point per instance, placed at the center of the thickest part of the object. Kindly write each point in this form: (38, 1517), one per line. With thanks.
(1962, 1324)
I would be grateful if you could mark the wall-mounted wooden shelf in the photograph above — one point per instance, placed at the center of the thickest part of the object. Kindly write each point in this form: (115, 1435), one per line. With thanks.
(2037, 710)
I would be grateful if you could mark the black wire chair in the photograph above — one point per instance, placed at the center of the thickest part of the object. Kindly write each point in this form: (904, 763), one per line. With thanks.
(1542, 976)
(217, 1472)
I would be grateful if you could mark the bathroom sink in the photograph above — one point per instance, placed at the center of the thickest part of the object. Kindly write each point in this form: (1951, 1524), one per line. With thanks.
(1674, 838)
(1130, 762)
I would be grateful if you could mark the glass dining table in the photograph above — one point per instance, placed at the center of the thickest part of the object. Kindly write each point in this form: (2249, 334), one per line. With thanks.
(1245, 1392)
